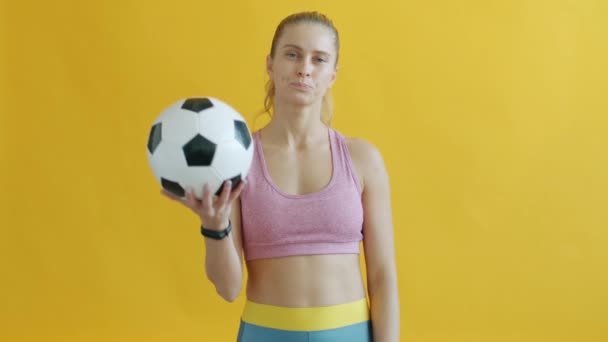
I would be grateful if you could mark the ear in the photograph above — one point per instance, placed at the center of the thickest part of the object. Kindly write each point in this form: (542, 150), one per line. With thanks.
(269, 65)
(333, 77)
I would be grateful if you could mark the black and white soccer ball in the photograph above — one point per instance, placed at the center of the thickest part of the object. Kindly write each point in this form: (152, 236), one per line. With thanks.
(196, 141)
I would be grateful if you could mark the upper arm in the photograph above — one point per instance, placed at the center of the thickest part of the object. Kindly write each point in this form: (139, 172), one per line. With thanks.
(378, 239)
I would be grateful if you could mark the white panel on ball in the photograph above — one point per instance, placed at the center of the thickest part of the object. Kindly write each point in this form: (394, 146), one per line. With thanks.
(179, 125)
(233, 160)
(192, 177)
(226, 109)
(166, 163)
(215, 126)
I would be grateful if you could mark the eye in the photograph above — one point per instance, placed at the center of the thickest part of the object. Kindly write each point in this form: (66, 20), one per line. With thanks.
(291, 54)
(321, 59)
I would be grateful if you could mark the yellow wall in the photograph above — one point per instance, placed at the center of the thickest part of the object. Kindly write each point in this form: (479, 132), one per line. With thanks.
(491, 116)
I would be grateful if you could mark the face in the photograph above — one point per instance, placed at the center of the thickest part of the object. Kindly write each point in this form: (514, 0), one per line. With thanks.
(303, 66)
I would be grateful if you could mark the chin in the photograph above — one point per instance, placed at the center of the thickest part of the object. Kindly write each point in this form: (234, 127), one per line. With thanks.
(297, 99)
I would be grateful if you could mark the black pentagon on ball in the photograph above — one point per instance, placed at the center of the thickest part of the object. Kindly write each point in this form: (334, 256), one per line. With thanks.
(235, 182)
(172, 187)
(241, 133)
(199, 151)
(155, 137)
(197, 104)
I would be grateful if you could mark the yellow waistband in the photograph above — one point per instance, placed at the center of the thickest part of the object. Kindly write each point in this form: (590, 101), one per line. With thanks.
(306, 319)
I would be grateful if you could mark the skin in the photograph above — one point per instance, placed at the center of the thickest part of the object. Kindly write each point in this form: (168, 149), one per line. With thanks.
(297, 152)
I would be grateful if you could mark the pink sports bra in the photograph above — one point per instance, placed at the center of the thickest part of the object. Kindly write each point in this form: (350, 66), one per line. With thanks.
(277, 224)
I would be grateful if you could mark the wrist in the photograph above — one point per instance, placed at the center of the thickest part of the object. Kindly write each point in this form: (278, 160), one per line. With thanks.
(216, 234)
(216, 226)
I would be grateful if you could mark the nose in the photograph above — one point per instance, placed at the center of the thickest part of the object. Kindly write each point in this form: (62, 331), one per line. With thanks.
(304, 69)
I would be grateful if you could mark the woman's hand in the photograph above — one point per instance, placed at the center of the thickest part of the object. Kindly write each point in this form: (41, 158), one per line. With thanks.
(214, 211)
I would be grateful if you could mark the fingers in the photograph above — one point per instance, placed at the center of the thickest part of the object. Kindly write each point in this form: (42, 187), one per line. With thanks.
(191, 200)
(237, 191)
(207, 200)
(224, 195)
(209, 205)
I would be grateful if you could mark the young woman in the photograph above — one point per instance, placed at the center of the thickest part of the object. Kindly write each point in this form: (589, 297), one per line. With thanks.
(311, 196)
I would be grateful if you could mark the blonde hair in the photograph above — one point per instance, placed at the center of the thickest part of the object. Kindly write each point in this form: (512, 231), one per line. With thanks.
(302, 17)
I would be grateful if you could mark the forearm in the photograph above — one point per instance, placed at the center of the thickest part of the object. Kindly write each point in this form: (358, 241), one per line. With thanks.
(223, 267)
(384, 303)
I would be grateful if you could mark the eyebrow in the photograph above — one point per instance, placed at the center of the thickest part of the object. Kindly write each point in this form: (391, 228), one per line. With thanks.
(299, 48)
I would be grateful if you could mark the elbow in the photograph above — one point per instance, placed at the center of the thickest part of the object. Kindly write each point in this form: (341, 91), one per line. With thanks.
(227, 288)
(229, 293)
(227, 279)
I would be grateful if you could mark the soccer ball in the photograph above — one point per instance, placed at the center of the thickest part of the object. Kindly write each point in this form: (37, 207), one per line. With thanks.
(196, 141)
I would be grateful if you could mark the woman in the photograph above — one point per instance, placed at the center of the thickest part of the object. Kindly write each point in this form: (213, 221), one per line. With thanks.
(311, 196)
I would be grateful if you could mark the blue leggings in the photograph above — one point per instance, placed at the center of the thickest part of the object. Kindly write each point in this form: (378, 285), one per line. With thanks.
(359, 332)
(348, 322)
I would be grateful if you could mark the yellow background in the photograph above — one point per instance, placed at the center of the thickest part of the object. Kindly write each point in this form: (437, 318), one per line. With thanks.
(491, 117)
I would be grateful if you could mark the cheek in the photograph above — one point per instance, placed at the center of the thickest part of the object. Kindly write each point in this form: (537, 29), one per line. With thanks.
(325, 80)
(282, 74)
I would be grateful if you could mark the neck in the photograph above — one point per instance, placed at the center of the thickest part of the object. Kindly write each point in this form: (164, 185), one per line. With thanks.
(295, 126)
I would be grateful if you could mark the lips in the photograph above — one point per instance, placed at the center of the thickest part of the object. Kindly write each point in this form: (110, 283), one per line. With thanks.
(300, 85)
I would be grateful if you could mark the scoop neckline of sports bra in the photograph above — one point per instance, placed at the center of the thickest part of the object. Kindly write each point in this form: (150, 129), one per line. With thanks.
(266, 173)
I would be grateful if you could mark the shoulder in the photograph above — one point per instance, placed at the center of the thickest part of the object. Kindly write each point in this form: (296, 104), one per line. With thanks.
(363, 151)
(367, 159)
